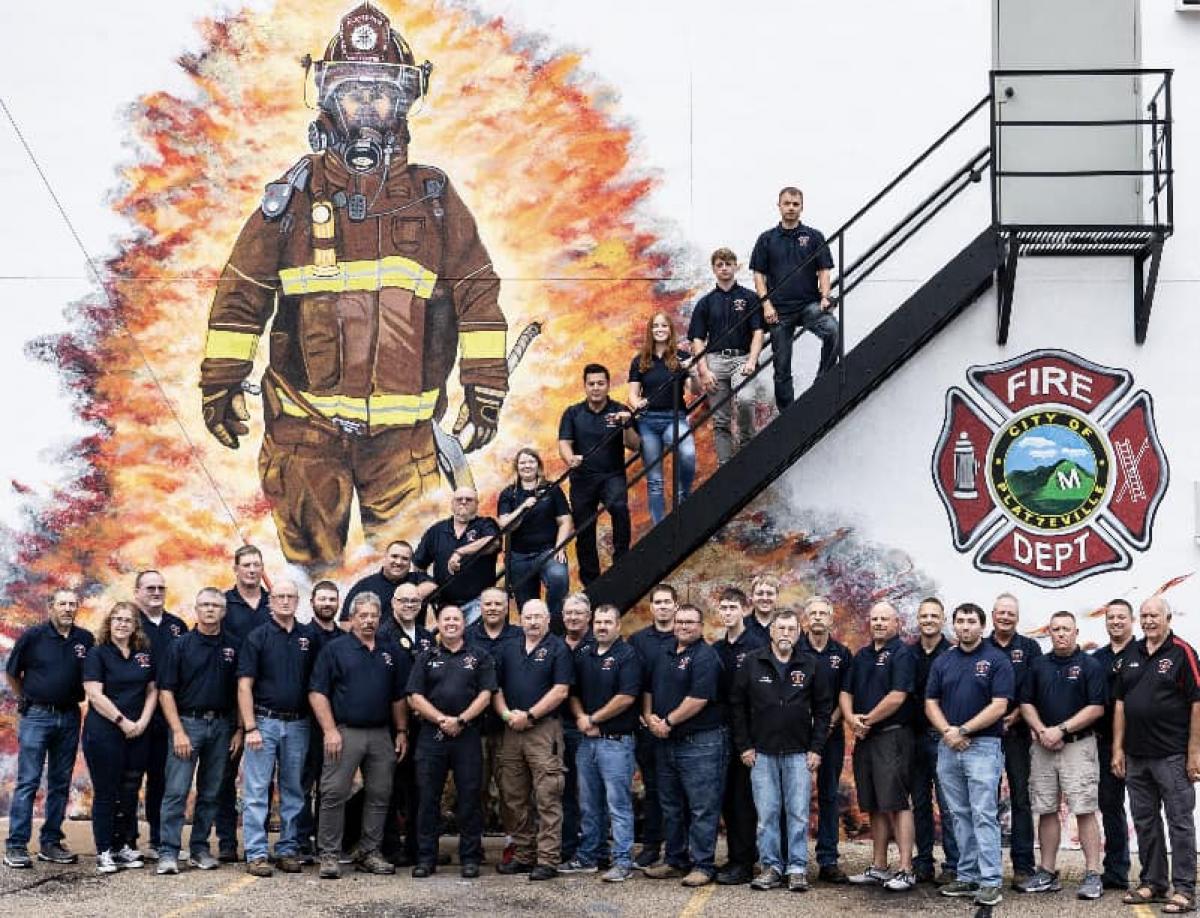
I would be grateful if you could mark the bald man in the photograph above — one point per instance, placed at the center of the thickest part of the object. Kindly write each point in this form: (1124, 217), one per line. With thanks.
(462, 551)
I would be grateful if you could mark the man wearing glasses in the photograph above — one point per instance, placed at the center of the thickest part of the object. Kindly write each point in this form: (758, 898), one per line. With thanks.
(462, 552)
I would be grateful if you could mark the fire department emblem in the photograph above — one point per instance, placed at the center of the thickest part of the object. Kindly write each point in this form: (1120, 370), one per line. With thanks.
(1048, 471)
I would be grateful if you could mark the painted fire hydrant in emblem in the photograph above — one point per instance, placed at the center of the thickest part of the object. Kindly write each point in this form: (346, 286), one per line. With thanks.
(1048, 471)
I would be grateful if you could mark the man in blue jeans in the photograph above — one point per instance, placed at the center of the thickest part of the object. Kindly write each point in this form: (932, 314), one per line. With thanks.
(608, 679)
(969, 690)
(791, 262)
(276, 661)
(681, 710)
(45, 674)
(781, 705)
(197, 691)
(577, 635)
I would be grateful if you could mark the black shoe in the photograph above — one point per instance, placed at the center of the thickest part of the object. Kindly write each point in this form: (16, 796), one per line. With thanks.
(514, 867)
(832, 874)
(421, 871)
(470, 871)
(1110, 883)
(543, 872)
(401, 859)
(229, 856)
(924, 875)
(647, 857)
(734, 875)
(57, 853)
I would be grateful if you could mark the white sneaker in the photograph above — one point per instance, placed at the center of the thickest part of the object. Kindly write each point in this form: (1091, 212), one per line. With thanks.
(105, 863)
(901, 881)
(872, 876)
(129, 858)
(167, 864)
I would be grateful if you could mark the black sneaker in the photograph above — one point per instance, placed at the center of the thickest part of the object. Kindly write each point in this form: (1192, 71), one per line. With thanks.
(18, 858)
(734, 875)
(421, 871)
(543, 872)
(647, 857)
(470, 871)
(513, 867)
(229, 856)
(57, 853)
(832, 873)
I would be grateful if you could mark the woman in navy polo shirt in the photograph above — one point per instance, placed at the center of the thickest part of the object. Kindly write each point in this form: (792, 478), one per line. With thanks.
(118, 677)
(658, 378)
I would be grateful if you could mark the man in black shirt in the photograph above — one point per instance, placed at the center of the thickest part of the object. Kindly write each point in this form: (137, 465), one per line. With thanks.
(1156, 749)
(726, 331)
(324, 627)
(451, 687)
(397, 569)
(462, 551)
(592, 438)
(791, 264)
(45, 674)
(197, 692)
(1118, 621)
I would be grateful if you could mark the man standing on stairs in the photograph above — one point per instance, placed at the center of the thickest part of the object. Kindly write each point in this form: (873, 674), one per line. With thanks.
(791, 262)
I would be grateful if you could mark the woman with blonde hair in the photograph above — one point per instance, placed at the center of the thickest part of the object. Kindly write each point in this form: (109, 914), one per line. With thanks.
(118, 679)
(658, 384)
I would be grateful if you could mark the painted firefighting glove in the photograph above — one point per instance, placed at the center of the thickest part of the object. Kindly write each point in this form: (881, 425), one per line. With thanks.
(225, 413)
(483, 413)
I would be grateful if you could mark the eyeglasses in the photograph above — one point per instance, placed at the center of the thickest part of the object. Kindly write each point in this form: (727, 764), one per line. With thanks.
(155, 589)
(407, 602)
(687, 621)
(465, 500)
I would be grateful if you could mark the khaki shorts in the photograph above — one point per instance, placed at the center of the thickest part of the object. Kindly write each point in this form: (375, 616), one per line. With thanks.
(1073, 772)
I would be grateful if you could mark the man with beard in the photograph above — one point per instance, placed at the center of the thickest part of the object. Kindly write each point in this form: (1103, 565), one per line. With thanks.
(1118, 621)
(324, 627)
(577, 635)
(397, 569)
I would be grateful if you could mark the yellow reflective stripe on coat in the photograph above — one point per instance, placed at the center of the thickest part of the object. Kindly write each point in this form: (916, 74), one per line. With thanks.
(230, 345)
(378, 410)
(392, 271)
(482, 344)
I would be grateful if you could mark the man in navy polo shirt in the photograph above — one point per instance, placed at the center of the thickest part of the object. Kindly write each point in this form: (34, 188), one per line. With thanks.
(878, 705)
(1021, 652)
(726, 330)
(1156, 749)
(161, 629)
(397, 569)
(324, 627)
(969, 689)
(275, 661)
(682, 711)
(535, 676)
(197, 692)
(737, 807)
(462, 551)
(834, 660)
(791, 265)
(451, 687)
(577, 635)
(1118, 622)
(1062, 698)
(592, 438)
(357, 697)
(45, 674)
(608, 680)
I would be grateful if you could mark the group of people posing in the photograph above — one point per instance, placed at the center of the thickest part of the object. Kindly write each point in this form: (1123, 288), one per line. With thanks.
(552, 728)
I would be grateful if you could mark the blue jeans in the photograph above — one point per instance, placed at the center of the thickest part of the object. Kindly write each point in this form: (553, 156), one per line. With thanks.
(527, 571)
(605, 774)
(925, 781)
(210, 753)
(285, 742)
(829, 781)
(782, 783)
(691, 782)
(969, 780)
(813, 318)
(658, 433)
(50, 739)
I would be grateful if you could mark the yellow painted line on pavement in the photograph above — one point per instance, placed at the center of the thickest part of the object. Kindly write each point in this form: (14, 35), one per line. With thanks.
(211, 898)
(1143, 911)
(695, 905)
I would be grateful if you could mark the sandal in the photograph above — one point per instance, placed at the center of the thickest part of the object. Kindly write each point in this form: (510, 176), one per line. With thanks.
(1142, 895)
(1178, 904)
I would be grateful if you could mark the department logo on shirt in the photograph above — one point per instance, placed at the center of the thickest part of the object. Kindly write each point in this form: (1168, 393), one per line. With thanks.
(608, 665)
(540, 655)
(469, 662)
(143, 660)
(683, 663)
(176, 630)
(1018, 655)
(983, 667)
(1164, 666)
(1073, 672)
(302, 643)
(1053, 475)
(387, 658)
(882, 657)
(835, 662)
(739, 304)
(799, 678)
(803, 241)
(470, 535)
(228, 654)
(80, 651)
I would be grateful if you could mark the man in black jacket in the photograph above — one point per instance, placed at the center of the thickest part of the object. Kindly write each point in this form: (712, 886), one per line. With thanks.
(781, 712)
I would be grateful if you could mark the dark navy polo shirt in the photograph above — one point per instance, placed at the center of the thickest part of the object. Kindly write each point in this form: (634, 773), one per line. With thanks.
(1110, 663)
(834, 664)
(732, 655)
(778, 251)
(361, 683)
(1158, 691)
(422, 640)
(875, 673)
(240, 617)
(452, 681)
(200, 670)
(650, 644)
(49, 665)
(1021, 652)
(656, 382)
(924, 664)
(538, 529)
(169, 629)
(587, 430)
(963, 683)
(383, 588)
(475, 634)
(280, 663)
(125, 679)
(1060, 687)
(726, 319)
(323, 637)
(694, 673)
(476, 573)
(599, 677)
(526, 677)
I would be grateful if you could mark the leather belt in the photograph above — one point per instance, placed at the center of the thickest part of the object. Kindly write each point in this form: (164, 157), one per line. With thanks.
(1076, 737)
(732, 352)
(199, 714)
(53, 708)
(260, 711)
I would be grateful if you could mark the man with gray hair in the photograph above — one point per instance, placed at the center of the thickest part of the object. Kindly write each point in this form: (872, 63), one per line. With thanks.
(461, 550)
(1156, 749)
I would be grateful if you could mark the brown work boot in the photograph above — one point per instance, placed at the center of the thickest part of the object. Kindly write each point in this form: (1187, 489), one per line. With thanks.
(696, 878)
(288, 864)
(330, 868)
(375, 863)
(259, 867)
(663, 872)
